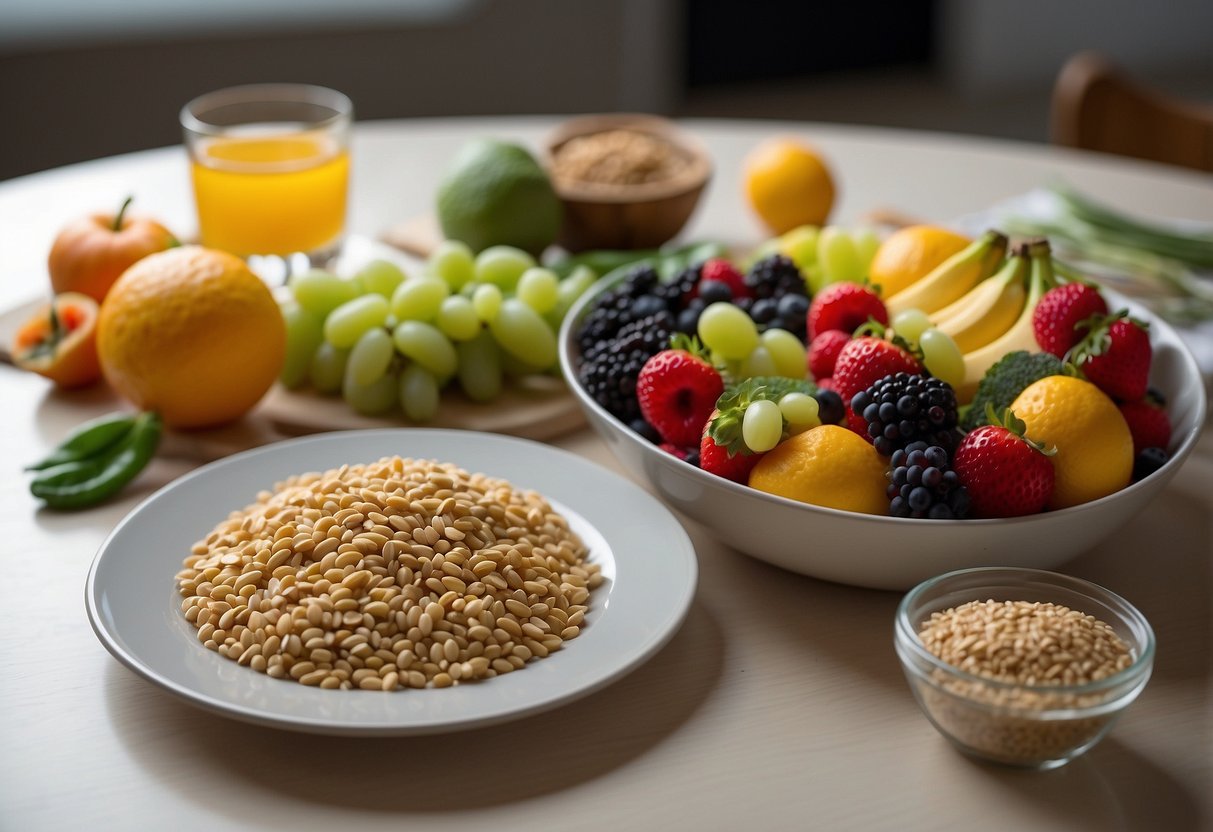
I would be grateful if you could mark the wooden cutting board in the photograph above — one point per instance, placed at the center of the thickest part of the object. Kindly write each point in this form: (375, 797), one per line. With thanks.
(539, 408)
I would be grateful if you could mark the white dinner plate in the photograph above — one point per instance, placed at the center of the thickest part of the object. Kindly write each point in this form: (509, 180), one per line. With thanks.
(646, 557)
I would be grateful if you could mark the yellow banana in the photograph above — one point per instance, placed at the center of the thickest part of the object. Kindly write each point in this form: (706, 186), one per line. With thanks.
(1021, 335)
(988, 310)
(953, 278)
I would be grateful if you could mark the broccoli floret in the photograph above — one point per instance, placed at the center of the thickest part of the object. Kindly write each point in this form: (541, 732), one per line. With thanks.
(1006, 380)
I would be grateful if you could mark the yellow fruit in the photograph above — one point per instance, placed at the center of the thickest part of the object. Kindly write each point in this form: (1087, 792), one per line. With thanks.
(788, 184)
(192, 334)
(910, 254)
(1094, 448)
(827, 466)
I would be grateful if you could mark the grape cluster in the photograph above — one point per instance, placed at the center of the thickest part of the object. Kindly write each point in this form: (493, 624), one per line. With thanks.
(922, 485)
(902, 408)
(389, 343)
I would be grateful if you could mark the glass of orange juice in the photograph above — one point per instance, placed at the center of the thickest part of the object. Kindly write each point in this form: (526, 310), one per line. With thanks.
(270, 165)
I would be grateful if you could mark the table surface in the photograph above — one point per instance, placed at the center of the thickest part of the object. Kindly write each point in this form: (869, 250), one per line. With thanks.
(780, 702)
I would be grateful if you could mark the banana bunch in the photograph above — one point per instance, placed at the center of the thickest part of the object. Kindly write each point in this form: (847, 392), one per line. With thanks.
(952, 279)
(1020, 335)
(983, 302)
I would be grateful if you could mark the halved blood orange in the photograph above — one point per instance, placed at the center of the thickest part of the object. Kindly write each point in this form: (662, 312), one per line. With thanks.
(60, 341)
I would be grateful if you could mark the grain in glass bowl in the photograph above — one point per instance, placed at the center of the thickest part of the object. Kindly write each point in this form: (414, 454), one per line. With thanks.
(1020, 666)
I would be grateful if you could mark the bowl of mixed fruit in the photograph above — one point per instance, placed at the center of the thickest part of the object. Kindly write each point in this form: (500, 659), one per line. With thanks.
(986, 406)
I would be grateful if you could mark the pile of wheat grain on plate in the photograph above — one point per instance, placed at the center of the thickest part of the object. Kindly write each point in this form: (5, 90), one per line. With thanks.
(398, 573)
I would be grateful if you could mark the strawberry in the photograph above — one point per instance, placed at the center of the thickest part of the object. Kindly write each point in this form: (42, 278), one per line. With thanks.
(1148, 423)
(1057, 315)
(844, 306)
(716, 459)
(722, 270)
(823, 352)
(1115, 355)
(674, 450)
(677, 390)
(1006, 474)
(862, 362)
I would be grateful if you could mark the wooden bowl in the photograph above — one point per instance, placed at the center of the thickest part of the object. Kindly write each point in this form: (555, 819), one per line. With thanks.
(608, 216)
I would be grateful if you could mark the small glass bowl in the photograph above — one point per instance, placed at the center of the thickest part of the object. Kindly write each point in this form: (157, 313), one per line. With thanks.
(1037, 727)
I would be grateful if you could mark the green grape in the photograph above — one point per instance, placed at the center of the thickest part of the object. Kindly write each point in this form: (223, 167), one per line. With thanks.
(304, 333)
(487, 302)
(758, 363)
(800, 411)
(370, 356)
(418, 393)
(910, 324)
(328, 368)
(418, 298)
(345, 324)
(837, 258)
(727, 330)
(762, 426)
(381, 277)
(571, 288)
(457, 318)
(866, 242)
(800, 244)
(480, 367)
(539, 289)
(321, 292)
(427, 346)
(786, 351)
(942, 357)
(454, 262)
(372, 399)
(468, 290)
(522, 333)
(502, 266)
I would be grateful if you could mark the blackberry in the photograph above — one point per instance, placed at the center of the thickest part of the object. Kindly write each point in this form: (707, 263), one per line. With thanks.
(609, 367)
(774, 277)
(902, 408)
(621, 305)
(1147, 462)
(676, 291)
(923, 485)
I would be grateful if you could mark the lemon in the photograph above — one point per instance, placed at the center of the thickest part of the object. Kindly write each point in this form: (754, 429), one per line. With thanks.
(910, 254)
(495, 193)
(1094, 448)
(192, 334)
(788, 184)
(827, 466)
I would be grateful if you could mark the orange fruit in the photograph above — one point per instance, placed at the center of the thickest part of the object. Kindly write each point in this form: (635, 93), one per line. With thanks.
(62, 347)
(911, 253)
(788, 184)
(1094, 447)
(827, 466)
(192, 334)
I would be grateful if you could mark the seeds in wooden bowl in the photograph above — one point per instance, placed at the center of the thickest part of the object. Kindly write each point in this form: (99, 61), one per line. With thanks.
(1034, 655)
(398, 573)
(617, 157)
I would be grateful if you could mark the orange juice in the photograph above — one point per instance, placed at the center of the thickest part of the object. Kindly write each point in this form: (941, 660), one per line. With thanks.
(271, 194)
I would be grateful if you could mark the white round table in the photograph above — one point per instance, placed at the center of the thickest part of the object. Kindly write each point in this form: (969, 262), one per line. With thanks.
(780, 704)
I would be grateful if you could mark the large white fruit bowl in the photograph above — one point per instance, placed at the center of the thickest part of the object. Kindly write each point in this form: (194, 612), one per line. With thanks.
(889, 552)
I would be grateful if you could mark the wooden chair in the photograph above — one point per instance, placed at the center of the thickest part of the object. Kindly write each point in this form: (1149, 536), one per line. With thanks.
(1096, 107)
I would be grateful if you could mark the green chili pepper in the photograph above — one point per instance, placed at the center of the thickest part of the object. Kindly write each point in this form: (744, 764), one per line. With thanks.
(87, 440)
(85, 482)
